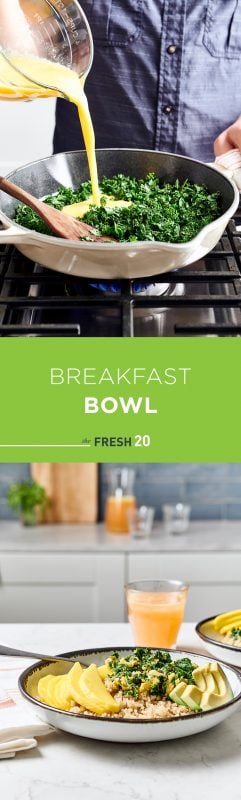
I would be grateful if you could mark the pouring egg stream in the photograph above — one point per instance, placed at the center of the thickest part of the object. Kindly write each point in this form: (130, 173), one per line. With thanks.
(15, 84)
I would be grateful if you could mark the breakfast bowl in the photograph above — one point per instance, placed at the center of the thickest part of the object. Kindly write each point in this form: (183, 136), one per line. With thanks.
(128, 729)
(114, 260)
(216, 644)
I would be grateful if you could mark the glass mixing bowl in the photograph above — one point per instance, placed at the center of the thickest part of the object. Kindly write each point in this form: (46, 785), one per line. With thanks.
(55, 30)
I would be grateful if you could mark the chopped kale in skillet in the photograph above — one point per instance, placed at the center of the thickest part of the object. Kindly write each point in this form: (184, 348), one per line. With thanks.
(164, 212)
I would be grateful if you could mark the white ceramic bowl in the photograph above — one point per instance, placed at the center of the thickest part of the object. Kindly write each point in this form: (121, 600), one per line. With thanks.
(216, 644)
(122, 730)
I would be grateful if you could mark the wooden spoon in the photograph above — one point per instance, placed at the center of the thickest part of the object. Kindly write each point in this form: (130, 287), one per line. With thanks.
(60, 223)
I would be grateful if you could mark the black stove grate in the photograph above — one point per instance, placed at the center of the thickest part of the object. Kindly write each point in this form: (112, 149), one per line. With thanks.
(201, 300)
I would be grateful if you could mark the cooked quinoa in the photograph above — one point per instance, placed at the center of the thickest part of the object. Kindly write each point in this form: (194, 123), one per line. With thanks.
(147, 707)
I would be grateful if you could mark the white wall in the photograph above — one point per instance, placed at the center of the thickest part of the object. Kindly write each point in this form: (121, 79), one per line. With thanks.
(26, 132)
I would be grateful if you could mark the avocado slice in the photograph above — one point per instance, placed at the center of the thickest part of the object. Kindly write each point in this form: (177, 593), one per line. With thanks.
(192, 697)
(204, 678)
(186, 695)
(176, 694)
(221, 681)
(199, 678)
(211, 700)
(213, 684)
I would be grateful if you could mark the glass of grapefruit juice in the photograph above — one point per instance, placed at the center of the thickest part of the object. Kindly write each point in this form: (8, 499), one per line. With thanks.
(156, 611)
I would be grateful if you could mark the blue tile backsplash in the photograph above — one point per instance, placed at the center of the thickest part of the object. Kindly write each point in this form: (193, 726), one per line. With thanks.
(212, 490)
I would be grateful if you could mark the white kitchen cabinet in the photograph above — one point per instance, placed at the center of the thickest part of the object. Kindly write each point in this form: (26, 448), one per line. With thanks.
(214, 578)
(89, 586)
(53, 587)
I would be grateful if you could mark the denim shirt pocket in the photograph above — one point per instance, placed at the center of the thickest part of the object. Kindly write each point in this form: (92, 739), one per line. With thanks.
(115, 23)
(222, 29)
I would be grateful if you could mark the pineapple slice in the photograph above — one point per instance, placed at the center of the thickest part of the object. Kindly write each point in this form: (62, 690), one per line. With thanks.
(73, 678)
(93, 694)
(59, 690)
(63, 694)
(225, 622)
(104, 670)
(46, 689)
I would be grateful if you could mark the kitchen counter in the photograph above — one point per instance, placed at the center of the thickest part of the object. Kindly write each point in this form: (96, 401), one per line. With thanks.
(201, 536)
(67, 768)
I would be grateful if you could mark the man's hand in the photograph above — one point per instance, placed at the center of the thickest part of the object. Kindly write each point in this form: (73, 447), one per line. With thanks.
(228, 139)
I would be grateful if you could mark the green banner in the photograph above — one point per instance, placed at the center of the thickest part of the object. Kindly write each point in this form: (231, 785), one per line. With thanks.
(120, 399)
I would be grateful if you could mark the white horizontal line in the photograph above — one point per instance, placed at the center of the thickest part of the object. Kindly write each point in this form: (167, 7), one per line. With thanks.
(45, 445)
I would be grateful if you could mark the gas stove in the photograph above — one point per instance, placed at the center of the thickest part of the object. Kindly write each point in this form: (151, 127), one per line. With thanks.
(201, 300)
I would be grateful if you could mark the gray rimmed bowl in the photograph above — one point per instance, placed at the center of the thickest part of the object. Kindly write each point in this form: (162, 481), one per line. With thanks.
(112, 729)
(216, 644)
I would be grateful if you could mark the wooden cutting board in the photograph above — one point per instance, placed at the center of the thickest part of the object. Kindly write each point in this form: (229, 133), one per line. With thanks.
(72, 489)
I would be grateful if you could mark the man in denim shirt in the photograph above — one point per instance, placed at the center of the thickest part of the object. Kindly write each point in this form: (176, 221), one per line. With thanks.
(166, 76)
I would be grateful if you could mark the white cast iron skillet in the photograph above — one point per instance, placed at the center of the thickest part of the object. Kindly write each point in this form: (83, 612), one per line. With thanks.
(114, 260)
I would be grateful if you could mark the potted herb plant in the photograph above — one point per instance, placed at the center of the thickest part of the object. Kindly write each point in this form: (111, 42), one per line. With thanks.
(31, 500)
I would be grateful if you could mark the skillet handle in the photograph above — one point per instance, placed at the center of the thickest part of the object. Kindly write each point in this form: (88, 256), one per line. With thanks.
(230, 165)
(11, 234)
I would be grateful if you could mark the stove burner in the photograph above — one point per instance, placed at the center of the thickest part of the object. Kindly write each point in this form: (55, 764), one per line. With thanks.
(203, 299)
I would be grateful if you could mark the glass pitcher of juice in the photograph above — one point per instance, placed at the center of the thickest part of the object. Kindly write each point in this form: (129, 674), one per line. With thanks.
(120, 499)
(156, 611)
(37, 38)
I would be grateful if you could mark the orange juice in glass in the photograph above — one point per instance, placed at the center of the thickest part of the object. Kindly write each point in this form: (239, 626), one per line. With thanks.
(120, 499)
(156, 611)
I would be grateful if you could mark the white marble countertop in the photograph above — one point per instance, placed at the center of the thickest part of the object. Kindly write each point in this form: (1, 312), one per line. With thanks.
(201, 536)
(65, 767)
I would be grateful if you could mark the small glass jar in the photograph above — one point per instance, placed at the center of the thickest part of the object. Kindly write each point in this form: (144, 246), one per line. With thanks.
(140, 522)
(176, 517)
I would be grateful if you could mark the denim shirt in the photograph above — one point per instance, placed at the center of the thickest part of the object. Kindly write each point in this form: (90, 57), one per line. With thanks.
(166, 75)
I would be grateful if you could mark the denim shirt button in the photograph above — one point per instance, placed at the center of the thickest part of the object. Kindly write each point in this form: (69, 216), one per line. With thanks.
(168, 109)
(171, 49)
